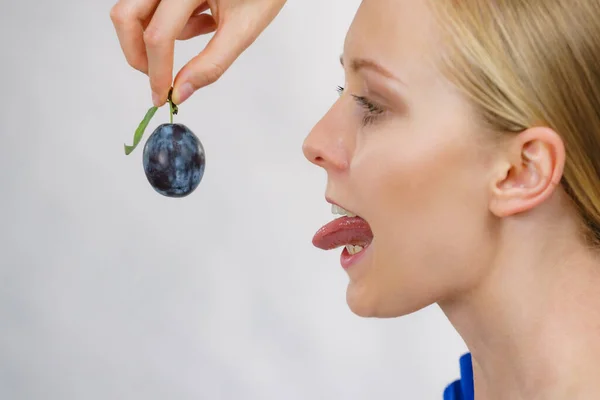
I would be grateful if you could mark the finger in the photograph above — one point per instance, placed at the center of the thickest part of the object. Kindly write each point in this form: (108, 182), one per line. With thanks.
(167, 23)
(222, 50)
(201, 8)
(127, 17)
(198, 25)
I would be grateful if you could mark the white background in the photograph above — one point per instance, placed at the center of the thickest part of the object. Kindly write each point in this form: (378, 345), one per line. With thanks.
(111, 291)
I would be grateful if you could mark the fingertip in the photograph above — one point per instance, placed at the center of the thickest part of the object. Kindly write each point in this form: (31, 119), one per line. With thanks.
(159, 96)
(182, 93)
(156, 99)
(160, 90)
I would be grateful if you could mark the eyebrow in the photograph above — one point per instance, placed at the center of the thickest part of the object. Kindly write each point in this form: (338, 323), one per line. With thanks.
(363, 63)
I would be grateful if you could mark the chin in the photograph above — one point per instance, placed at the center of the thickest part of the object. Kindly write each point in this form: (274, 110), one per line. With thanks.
(364, 306)
(370, 304)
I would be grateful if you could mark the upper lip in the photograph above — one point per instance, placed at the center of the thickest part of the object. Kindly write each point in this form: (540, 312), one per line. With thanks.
(331, 201)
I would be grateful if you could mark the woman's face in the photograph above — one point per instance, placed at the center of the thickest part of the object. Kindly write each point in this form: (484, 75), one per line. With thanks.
(402, 151)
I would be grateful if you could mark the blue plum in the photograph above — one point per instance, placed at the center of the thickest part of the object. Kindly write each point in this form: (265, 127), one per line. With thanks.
(174, 160)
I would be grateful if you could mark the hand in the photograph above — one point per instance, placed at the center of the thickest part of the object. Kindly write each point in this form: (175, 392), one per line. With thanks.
(147, 31)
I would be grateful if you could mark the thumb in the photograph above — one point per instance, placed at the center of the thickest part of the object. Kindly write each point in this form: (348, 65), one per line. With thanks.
(229, 41)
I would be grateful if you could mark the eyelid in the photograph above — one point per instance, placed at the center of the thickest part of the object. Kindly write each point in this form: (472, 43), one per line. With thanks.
(372, 110)
(372, 106)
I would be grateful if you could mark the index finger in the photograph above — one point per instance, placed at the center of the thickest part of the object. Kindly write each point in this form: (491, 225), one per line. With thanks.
(168, 22)
(127, 17)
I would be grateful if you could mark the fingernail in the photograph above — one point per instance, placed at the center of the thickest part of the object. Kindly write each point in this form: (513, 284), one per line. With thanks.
(155, 99)
(185, 91)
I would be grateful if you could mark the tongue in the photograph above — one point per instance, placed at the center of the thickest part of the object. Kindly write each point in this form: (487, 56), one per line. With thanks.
(343, 231)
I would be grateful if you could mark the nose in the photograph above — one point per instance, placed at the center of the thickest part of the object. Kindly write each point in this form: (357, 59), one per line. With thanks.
(328, 143)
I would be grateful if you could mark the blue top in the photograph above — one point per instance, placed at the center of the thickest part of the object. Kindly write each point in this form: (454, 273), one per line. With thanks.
(462, 389)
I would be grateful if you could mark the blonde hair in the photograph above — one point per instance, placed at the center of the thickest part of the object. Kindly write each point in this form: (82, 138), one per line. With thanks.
(527, 63)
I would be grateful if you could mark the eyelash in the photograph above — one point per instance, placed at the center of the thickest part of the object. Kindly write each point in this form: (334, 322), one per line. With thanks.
(372, 111)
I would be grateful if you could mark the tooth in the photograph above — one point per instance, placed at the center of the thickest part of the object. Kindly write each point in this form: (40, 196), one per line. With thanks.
(337, 210)
(353, 249)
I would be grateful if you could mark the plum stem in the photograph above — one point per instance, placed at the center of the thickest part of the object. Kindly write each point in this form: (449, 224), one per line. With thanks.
(172, 106)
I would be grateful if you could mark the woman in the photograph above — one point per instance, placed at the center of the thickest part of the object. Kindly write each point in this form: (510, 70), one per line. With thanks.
(466, 141)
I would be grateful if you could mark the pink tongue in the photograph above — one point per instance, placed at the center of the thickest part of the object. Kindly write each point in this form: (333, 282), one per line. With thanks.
(343, 231)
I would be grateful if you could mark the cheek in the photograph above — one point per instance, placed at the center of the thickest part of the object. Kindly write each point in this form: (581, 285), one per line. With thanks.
(424, 181)
(425, 202)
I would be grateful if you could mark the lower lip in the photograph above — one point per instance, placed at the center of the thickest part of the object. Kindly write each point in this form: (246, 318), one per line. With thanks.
(348, 260)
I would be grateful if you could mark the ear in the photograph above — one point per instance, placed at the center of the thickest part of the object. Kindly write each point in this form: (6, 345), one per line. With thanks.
(528, 171)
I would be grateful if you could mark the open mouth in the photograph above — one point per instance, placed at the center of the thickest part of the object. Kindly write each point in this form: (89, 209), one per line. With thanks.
(349, 230)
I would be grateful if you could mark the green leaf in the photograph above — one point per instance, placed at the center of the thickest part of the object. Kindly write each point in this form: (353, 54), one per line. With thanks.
(139, 132)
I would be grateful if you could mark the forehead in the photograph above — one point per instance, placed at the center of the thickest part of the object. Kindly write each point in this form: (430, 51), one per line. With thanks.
(404, 36)
(398, 33)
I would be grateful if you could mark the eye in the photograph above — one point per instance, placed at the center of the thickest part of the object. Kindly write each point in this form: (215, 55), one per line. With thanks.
(372, 110)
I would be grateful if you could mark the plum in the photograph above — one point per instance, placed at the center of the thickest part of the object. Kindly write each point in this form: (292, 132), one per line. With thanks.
(173, 157)
(174, 160)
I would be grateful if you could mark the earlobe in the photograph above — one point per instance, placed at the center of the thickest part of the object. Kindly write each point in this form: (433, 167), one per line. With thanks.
(531, 169)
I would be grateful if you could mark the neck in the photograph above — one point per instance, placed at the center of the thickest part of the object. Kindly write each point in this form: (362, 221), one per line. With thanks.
(533, 323)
